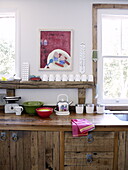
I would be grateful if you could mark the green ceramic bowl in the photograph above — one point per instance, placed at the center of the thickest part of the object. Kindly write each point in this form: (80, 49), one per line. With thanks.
(31, 106)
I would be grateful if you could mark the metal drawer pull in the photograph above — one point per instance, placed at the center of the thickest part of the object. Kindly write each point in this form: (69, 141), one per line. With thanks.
(3, 136)
(89, 158)
(90, 138)
(14, 137)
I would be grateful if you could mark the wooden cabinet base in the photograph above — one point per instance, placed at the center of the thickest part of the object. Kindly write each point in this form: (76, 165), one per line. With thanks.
(29, 150)
(58, 150)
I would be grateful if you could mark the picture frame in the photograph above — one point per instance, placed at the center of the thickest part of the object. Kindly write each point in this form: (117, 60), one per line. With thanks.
(55, 50)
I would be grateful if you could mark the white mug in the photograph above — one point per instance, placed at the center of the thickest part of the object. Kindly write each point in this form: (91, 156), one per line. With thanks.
(51, 77)
(71, 77)
(89, 108)
(90, 78)
(18, 110)
(79, 108)
(45, 77)
(100, 109)
(77, 77)
(64, 77)
(84, 77)
(58, 77)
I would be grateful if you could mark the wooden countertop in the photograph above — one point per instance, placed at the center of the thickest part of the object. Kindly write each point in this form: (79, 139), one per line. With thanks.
(54, 122)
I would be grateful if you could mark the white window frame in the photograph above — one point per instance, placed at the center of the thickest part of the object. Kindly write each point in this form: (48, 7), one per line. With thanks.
(100, 58)
(17, 38)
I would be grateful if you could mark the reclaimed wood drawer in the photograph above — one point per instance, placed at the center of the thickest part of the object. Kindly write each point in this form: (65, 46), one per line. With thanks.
(95, 141)
(97, 160)
(93, 152)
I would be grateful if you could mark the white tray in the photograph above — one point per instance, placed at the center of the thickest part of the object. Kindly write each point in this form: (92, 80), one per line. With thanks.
(62, 113)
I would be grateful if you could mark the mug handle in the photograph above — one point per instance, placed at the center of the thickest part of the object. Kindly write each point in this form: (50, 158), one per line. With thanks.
(21, 108)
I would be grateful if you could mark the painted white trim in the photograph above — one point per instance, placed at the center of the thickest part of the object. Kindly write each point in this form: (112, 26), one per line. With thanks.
(17, 44)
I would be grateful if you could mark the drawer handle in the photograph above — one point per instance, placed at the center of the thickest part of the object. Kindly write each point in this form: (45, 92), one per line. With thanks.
(90, 138)
(3, 136)
(14, 137)
(89, 158)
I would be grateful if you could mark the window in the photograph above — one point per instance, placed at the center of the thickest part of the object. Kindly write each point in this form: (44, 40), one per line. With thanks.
(7, 43)
(112, 66)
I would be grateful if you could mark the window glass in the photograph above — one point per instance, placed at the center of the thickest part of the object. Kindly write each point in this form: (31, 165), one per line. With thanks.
(7, 43)
(114, 33)
(115, 78)
(113, 56)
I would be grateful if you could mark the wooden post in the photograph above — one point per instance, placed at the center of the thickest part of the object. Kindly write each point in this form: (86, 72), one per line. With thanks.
(10, 92)
(81, 96)
(122, 151)
(62, 150)
(116, 139)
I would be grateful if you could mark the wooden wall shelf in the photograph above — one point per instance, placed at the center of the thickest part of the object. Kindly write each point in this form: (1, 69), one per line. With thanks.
(11, 86)
(44, 85)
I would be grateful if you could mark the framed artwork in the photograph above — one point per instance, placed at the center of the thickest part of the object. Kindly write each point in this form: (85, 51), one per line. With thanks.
(55, 50)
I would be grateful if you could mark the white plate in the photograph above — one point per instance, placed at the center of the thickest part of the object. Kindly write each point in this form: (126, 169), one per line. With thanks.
(55, 64)
(62, 112)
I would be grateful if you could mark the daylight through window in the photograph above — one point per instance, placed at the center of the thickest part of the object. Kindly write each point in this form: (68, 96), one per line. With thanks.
(7, 43)
(113, 56)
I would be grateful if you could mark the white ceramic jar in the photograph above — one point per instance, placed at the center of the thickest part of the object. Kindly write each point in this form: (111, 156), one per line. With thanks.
(90, 78)
(45, 77)
(77, 77)
(79, 108)
(57, 77)
(71, 77)
(51, 77)
(64, 77)
(84, 77)
(100, 109)
(90, 108)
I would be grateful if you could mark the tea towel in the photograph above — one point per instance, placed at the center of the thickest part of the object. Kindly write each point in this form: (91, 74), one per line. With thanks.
(80, 127)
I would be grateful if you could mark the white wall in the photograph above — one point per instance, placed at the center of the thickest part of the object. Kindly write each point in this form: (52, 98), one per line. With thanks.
(53, 14)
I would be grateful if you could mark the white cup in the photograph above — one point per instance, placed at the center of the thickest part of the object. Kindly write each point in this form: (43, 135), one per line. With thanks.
(58, 77)
(90, 78)
(45, 77)
(18, 110)
(100, 109)
(79, 108)
(71, 77)
(90, 108)
(84, 77)
(51, 77)
(64, 77)
(77, 77)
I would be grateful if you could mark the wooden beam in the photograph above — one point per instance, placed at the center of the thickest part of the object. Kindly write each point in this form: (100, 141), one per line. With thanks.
(55, 85)
(10, 92)
(81, 96)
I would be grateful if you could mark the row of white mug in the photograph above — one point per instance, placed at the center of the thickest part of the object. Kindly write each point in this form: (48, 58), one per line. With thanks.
(65, 77)
(90, 108)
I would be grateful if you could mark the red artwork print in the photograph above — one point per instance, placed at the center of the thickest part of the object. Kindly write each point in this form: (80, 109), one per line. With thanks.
(52, 40)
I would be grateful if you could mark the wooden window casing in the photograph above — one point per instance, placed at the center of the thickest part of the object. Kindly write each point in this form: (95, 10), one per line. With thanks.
(95, 9)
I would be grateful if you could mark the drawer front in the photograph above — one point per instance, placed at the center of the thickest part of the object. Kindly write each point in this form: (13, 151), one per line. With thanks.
(95, 141)
(88, 160)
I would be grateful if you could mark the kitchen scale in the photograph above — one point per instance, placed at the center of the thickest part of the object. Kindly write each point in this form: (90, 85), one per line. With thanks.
(10, 104)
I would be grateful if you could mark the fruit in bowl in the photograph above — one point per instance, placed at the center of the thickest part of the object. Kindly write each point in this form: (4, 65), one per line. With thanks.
(44, 111)
(31, 106)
